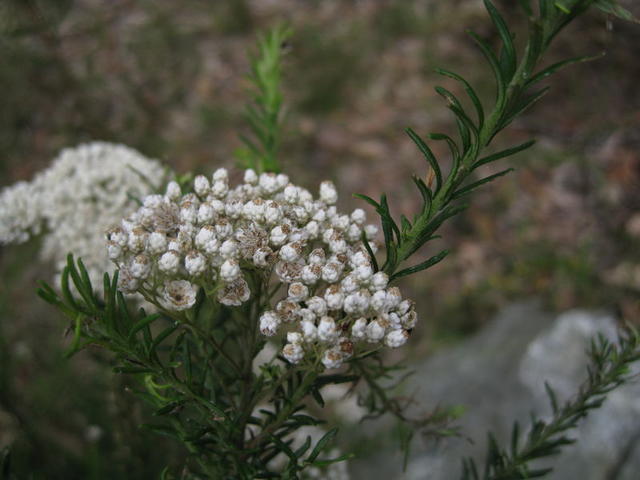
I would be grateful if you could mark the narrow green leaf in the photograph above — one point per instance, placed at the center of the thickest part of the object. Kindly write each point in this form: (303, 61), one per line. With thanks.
(552, 397)
(472, 186)
(470, 92)
(140, 324)
(372, 255)
(550, 70)
(495, 66)
(510, 57)
(162, 336)
(422, 266)
(428, 154)
(322, 444)
(77, 331)
(503, 154)
(367, 199)
(425, 191)
(317, 396)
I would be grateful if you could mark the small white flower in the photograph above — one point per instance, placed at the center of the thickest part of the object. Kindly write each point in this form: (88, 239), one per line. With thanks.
(295, 338)
(201, 186)
(272, 213)
(327, 331)
(290, 194)
(313, 229)
(234, 209)
(371, 231)
(157, 243)
(317, 257)
(219, 189)
(340, 222)
(306, 315)
(311, 274)
(353, 233)
(229, 249)
(317, 305)
(118, 236)
(293, 352)
(288, 310)
(220, 175)
(396, 338)
(234, 293)
(394, 297)
(114, 251)
(189, 212)
(358, 216)
(334, 298)
(309, 331)
(223, 228)
(357, 302)
(218, 206)
(153, 201)
(268, 183)
(331, 272)
(290, 252)
(250, 177)
(379, 300)
(229, 270)
(173, 191)
(179, 295)
(263, 256)
(282, 180)
(137, 240)
(328, 193)
(205, 235)
(169, 262)
(349, 284)
(278, 236)
(140, 267)
(374, 332)
(332, 358)
(298, 292)
(409, 320)
(379, 281)
(359, 258)
(359, 329)
(269, 322)
(363, 273)
(195, 263)
(211, 248)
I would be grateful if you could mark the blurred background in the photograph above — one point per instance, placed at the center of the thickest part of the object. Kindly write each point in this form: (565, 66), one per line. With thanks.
(168, 78)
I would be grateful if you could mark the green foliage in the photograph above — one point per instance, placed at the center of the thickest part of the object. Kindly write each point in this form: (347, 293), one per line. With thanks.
(196, 372)
(609, 369)
(264, 114)
(516, 77)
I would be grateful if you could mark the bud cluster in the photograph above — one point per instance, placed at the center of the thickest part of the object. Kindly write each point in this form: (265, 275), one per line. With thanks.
(222, 238)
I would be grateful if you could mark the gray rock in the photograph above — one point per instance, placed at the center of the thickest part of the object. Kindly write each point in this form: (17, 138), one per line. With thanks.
(499, 375)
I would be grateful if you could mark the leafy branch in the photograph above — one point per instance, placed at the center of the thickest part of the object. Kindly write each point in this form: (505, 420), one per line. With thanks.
(517, 78)
(608, 370)
(264, 114)
(200, 383)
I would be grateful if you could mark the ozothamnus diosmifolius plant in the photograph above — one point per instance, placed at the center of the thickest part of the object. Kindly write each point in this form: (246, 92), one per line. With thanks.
(218, 269)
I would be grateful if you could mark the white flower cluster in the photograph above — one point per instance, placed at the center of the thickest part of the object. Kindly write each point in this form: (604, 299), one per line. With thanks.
(218, 236)
(84, 191)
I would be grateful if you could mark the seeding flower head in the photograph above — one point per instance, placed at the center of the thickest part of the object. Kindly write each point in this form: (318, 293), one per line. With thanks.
(265, 231)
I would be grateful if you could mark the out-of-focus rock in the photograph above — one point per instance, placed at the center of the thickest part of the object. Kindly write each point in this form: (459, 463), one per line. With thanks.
(498, 376)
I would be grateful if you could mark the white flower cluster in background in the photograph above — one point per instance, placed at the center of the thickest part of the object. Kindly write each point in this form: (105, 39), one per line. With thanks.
(73, 202)
(223, 238)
